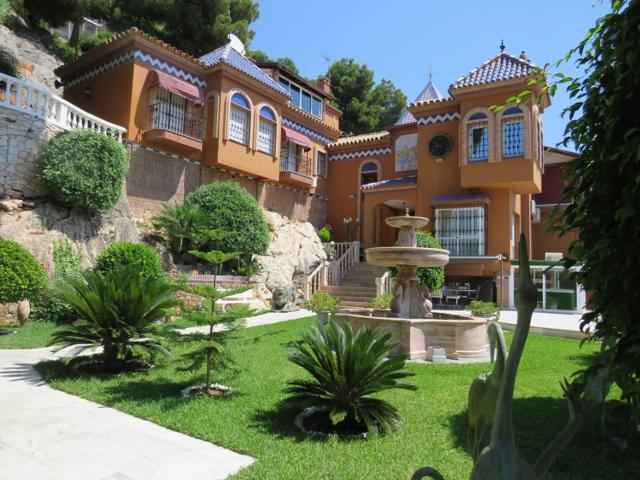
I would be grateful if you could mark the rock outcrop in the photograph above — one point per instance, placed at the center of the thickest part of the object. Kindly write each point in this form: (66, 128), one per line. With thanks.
(37, 64)
(294, 252)
(36, 228)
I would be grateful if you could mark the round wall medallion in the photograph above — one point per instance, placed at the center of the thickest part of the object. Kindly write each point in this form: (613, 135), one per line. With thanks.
(440, 145)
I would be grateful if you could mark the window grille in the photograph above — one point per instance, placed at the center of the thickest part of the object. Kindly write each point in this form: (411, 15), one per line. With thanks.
(267, 131)
(321, 164)
(478, 141)
(176, 114)
(461, 230)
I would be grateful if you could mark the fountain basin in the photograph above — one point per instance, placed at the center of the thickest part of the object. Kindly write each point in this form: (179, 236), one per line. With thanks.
(406, 221)
(463, 337)
(411, 256)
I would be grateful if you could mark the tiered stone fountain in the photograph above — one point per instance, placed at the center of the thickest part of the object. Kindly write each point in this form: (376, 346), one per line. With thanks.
(421, 333)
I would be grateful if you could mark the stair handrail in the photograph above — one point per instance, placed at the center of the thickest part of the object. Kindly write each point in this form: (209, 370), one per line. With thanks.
(315, 280)
(384, 283)
(341, 266)
(27, 97)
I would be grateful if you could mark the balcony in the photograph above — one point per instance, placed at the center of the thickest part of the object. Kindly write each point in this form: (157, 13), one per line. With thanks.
(296, 171)
(520, 174)
(176, 127)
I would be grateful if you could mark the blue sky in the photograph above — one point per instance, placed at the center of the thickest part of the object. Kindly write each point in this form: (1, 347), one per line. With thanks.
(399, 39)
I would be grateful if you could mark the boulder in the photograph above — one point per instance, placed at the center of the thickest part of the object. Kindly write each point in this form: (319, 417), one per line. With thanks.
(36, 62)
(294, 252)
(36, 228)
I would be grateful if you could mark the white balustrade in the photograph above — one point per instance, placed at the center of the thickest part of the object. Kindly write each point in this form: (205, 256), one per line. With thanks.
(27, 97)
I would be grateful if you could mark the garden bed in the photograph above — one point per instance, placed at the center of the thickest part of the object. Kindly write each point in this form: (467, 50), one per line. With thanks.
(251, 421)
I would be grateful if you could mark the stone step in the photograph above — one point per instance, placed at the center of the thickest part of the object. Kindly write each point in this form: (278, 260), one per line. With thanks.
(357, 282)
(355, 298)
(351, 304)
(351, 288)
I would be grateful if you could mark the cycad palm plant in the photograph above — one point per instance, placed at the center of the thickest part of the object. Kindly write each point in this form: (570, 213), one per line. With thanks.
(181, 228)
(347, 368)
(116, 310)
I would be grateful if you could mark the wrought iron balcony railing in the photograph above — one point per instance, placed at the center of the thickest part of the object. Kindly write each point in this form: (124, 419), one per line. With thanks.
(296, 164)
(171, 117)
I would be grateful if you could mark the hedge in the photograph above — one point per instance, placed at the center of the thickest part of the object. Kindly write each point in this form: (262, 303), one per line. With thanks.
(21, 275)
(228, 206)
(84, 168)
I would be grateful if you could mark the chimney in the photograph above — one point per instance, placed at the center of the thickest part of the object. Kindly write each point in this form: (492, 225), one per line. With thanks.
(324, 84)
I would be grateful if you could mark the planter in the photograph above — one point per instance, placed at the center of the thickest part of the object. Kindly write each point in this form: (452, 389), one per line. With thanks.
(23, 312)
(213, 390)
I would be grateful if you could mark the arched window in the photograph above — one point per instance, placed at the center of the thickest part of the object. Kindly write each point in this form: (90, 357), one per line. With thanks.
(239, 119)
(369, 173)
(267, 131)
(478, 137)
(512, 132)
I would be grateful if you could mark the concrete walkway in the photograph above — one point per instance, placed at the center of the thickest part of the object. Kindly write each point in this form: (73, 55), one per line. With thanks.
(46, 434)
(264, 319)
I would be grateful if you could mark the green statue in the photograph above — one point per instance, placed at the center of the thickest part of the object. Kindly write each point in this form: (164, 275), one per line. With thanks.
(483, 394)
(501, 460)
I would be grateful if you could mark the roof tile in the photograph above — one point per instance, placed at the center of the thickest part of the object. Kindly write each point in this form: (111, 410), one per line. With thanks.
(227, 54)
(428, 94)
(501, 67)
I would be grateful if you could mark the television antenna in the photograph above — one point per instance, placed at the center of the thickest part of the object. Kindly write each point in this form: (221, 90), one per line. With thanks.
(325, 57)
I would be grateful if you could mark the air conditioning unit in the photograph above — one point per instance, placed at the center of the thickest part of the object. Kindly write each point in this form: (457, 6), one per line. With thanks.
(314, 182)
(535, 215)
(553, 256)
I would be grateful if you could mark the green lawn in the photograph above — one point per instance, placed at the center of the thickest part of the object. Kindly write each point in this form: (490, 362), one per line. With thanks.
(434, 432)
(34, 334)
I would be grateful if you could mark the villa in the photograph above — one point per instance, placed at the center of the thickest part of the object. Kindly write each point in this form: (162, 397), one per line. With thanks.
(482, 177)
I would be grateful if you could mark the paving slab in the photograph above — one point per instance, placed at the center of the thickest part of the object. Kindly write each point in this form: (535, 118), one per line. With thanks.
(46, 434)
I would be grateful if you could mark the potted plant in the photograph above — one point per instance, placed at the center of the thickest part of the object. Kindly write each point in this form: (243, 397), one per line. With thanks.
(322, 303)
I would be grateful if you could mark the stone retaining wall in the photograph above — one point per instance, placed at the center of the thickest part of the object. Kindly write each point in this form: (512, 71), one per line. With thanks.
(156, 178)
(22, 137)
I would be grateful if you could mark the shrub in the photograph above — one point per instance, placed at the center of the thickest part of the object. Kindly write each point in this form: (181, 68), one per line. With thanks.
(346, 370)
(321, 302)
(382, 301)
(484, 309)
(85, 169)
(432, 277)
(21, 275)
(325, 235)
(228, 206)
(129, 254)
(8, 63)
(116, 310)
(181, 228)
(66, 264)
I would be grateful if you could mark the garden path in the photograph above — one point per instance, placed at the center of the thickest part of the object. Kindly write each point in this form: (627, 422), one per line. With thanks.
(47, 434)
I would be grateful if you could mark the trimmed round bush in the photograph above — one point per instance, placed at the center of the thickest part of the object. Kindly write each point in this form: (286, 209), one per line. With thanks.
(21, 275)
(124, 253)
(85, 169)
(228, 206)
(325, 235)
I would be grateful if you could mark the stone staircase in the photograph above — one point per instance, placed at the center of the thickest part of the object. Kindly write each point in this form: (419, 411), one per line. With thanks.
(358, 287)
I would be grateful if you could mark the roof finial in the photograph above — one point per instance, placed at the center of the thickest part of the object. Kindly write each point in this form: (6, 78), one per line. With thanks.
(502, 46)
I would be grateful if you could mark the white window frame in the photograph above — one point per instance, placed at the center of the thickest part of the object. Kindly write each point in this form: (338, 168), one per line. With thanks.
(475, 125)
(242, 110)
(302, 89)
(271, 138)
(450, 234)
(509, 119)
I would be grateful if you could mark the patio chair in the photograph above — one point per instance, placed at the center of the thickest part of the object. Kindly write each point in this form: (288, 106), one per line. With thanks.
(437, 296)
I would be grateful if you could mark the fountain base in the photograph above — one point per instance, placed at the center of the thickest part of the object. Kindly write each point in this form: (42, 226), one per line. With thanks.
(463, 337)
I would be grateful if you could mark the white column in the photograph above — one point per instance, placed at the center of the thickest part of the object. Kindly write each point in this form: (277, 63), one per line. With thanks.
(544, 291)
(512, 287)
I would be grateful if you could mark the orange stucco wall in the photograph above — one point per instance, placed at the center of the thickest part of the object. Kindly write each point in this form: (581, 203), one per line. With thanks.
(545, 241)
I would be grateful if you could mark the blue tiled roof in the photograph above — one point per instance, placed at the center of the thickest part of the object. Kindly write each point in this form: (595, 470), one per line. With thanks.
(501, 67)
(428, 93)
(227, 54)
(392, 182)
